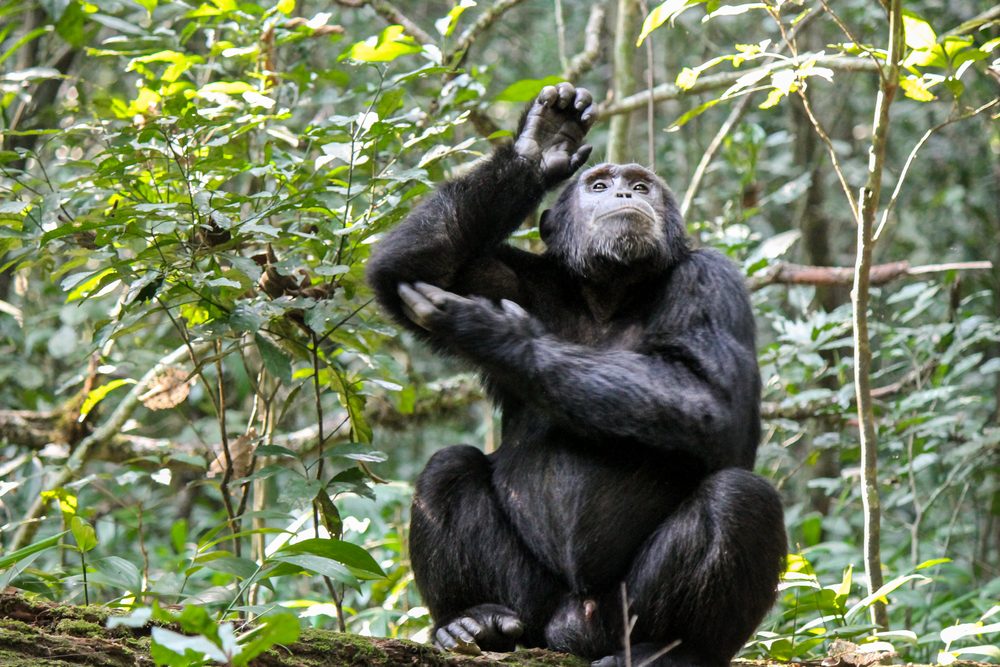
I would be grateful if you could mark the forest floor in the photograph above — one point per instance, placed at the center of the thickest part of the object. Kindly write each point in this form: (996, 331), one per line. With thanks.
(36, 633)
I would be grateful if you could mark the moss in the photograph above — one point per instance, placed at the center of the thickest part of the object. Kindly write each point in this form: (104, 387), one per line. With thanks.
(79, 628)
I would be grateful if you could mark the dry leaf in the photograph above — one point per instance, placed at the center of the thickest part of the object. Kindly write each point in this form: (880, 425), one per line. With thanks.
(168, 389)
(241, 452)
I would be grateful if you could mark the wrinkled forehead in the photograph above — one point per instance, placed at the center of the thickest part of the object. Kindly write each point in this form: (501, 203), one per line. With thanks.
(609, 170)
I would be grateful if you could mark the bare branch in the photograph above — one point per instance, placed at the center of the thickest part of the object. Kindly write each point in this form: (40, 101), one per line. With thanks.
(584, 61)
(706, 159)
(482, 23)
(799, 274)
(392, 15)
(669, 91)
(913, 154)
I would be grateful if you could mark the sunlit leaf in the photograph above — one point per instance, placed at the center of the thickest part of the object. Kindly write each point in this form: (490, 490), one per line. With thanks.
(916, 88)
(919, 34)
(98, 394)
(388, 46)
(13, 557)
(446, 24)
(667, 11)
(83, 533)
(274, 629)
(526, 90)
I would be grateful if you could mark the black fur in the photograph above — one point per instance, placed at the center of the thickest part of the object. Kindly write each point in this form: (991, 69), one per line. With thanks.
(630, 398)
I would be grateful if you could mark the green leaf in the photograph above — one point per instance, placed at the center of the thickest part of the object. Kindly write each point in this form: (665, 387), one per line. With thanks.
(174, 649)
(98, 394)
(118, 573)
(275, 361)
(329, 514)
(692, 113)
(391, 44)
(275, 629)
(880, 594)
(687, 78)
(22, 553)
(916, 88)
(221, 561)
(337, 550)
(932, 562)
(526, 90)
(919, 34)
(734, 10)
(178, 535)
(446, 25)
(83, 533)
(668, 11)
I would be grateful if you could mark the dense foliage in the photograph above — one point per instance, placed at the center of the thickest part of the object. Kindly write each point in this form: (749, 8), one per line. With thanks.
(200, 405)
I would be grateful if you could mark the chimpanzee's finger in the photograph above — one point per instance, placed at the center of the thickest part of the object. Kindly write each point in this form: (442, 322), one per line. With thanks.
(588, 116)
(580, 157)
(566, 94)
(435, 294)
(583, 99)
(547, 96)
(513, 309)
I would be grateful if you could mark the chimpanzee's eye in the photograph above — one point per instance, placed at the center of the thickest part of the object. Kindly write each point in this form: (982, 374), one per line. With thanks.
(599, 186)
(641, 187)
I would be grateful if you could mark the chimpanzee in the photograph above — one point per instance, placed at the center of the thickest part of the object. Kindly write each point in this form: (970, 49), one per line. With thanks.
(624, 366)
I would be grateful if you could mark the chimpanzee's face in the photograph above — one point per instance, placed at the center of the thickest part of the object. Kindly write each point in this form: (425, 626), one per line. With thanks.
(619, 215)
(614, 218)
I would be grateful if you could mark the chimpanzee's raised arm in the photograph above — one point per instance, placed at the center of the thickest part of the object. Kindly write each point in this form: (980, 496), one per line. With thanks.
(457, 230)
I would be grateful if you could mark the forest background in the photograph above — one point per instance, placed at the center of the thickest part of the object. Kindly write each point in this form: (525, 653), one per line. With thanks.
(201, 406)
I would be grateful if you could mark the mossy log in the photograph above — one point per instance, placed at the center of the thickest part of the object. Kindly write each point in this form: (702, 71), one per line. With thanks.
(38, 633)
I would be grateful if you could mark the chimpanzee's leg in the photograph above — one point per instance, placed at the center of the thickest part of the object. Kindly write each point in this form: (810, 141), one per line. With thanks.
(708, 575)
(470, 563)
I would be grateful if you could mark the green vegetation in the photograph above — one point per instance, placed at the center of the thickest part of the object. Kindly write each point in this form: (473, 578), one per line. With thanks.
(200, 405)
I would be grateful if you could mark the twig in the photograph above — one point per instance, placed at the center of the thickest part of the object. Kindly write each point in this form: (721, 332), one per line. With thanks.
(623, 80)
(659, 654)
(651, 105)
(699, 173)
(584, 61)
(974, 23)
(561, 34)
(457, 55)
(913, 154)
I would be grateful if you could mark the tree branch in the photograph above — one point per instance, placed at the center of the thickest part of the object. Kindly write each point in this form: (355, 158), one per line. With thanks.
(669, 91)
(482, 23)
(798, 274)
(392, 15)
(584, 61)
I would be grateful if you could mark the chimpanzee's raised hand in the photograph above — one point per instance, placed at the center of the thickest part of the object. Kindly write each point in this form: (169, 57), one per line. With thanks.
(551, 132)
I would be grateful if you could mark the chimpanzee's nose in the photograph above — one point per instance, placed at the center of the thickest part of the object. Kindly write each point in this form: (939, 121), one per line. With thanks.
(626, 195)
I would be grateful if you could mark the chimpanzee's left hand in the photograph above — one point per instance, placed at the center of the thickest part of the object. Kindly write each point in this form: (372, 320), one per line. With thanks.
(552, 131)
(470, 324)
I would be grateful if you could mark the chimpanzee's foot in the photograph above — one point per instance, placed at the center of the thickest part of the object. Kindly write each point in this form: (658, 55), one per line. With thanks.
(485, 627)
(649, 654)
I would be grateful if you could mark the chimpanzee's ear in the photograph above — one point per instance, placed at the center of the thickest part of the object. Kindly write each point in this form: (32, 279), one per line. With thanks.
(545, 225)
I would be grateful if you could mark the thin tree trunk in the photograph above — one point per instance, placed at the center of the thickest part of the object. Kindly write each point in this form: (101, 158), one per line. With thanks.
(868, 205)
(623, 82)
